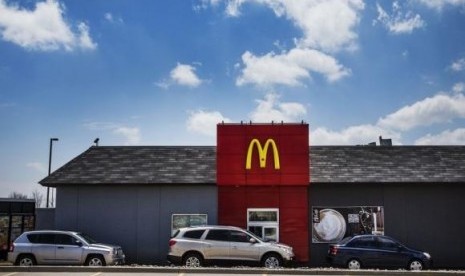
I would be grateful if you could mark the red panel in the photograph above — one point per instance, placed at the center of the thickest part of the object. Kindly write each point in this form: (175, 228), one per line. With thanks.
(293, 211)
(291, 140)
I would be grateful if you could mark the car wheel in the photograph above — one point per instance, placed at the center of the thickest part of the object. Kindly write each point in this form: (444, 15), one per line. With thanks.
(95, 260)
(272, 261)
(26, 260)
(354, 264)
(415, 265)
(192, 260)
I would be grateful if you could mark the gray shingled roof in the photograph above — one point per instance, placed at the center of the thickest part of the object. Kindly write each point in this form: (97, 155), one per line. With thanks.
(387, 164)
(194, 164)
(138, 165)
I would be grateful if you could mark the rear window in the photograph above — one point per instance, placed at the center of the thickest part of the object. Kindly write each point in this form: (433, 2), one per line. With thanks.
(175, 234)
(194, 234)
(41, 238)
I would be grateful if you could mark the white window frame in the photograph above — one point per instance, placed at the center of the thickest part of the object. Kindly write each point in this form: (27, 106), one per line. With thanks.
(174, 229)
(264, 224)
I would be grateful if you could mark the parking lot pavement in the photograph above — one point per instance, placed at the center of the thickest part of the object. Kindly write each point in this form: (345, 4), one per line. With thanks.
(9, 270)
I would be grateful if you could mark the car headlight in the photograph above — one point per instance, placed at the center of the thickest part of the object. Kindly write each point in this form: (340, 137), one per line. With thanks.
(428, 256)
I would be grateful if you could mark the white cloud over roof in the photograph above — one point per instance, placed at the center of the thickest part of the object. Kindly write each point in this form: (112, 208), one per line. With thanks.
(43, 28)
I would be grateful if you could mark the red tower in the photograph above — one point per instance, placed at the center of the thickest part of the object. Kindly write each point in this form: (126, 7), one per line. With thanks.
(263, 177)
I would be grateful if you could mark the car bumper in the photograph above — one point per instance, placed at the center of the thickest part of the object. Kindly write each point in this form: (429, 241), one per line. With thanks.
(115, 259)
(174, 259)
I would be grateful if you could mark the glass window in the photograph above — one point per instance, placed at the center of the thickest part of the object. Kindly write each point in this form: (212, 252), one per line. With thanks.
(264, 223)
(187, 220)
(65, 239)
(262, 216)
(218, 235)
(33, 238)
(47, 238)
(387, 244)
(194, 234)
(238, 236)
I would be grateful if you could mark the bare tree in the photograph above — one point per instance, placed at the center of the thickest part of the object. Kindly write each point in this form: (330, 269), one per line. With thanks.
(38, 197)
(17, 195)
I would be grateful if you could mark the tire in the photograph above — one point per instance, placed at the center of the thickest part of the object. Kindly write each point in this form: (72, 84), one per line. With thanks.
(272, 260)
(415, 265)
(95, 260)
(354, 264)
(26, 260)
(192, 260)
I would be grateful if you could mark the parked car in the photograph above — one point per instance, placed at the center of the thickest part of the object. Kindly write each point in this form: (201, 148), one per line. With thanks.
(196, 246)
(64, 248)
(376, 251)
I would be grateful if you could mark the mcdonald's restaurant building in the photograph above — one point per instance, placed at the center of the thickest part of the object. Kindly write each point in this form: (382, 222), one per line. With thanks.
(267, 179)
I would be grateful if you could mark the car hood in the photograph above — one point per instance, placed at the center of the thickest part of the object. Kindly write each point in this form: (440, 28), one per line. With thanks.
(104, 246)
(280, 245)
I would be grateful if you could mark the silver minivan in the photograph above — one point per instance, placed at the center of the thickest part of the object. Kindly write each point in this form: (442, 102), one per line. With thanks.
(62, 248)
(195, 246)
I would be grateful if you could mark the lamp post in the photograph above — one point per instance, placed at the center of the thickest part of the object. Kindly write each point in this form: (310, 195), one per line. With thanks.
(50, 167)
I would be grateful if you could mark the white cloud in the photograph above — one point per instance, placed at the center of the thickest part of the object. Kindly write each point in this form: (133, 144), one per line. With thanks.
(131, 134)
(37, 166)
(184, 74)
(458, 65)
(459, 87)
(354, 135)
(288, 68)
(42, 29)
(271, 109)
(440, 4)
(204, 122)
(399, 22)
(447, 137)
(326, 25)
(438, 109)
(112, 19)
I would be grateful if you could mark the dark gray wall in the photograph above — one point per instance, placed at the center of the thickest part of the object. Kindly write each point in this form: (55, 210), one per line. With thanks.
(426, 216)
(45, 218)
(137, 217)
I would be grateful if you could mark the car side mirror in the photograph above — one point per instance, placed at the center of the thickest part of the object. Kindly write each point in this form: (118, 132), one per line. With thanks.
(252, 240)
(78, 243)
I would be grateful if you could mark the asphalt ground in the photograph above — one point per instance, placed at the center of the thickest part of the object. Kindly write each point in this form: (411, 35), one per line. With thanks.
(8, 269)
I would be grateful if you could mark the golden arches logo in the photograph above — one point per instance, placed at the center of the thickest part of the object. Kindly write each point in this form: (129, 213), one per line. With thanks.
(262, 153)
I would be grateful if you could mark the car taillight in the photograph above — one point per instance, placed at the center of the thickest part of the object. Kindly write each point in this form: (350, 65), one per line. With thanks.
(12, 247)
(333, 250)
(172, 242)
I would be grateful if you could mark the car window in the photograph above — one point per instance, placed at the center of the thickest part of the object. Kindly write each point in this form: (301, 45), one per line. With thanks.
(387, 244)
(65, 239)
(218, 235)
(194, 234)
(363, 242)
(33, 238)
(46, 238)
(238, 236)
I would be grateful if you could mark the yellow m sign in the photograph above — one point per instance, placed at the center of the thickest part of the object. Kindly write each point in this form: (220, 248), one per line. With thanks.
(262, 153)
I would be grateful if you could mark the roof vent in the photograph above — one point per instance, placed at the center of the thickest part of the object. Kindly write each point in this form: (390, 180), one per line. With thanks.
(385, 142)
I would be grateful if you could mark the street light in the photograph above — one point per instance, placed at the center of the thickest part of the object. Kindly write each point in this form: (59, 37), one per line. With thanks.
(49, 167)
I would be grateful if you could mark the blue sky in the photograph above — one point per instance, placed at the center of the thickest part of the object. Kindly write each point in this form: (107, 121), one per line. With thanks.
(166, 72)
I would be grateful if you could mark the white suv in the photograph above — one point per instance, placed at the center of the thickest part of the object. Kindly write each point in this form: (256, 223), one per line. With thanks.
(62, 247)
(194, 246)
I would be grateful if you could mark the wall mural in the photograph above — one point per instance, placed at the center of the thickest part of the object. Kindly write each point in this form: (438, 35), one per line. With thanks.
(332, 224)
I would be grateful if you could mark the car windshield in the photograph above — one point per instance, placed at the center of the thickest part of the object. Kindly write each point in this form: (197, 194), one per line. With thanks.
(87, 238)
(254, 236)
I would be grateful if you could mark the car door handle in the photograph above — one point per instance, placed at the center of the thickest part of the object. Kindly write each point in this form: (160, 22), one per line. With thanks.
(60, 247)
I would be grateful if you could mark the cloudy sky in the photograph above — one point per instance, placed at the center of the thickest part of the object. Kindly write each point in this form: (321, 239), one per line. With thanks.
(166, 72)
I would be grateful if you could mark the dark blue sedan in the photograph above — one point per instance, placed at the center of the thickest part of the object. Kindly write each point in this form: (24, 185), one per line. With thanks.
(376, 251)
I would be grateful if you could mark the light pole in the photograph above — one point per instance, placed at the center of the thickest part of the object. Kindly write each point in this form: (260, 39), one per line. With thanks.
(50, 167)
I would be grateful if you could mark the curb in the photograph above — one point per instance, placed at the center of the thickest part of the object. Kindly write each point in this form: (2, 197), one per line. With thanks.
(258, 271)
